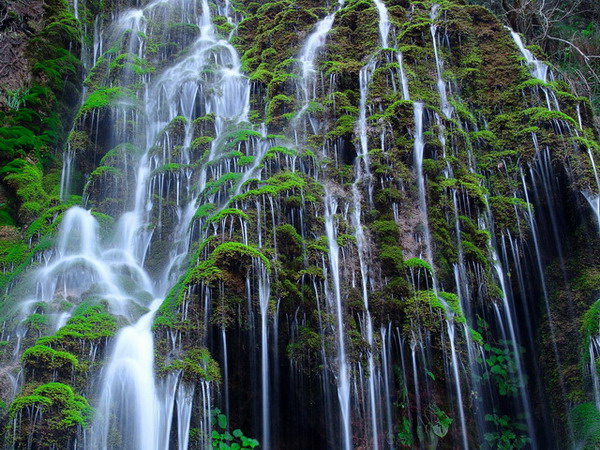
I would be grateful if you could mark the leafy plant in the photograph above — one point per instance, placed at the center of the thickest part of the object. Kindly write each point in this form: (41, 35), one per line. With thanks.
(442, 425)
(508, 434)
(502, 366)
(405, 436)
(222, 439)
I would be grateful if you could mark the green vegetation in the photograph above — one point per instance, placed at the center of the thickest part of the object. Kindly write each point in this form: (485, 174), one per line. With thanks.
(223, 439)
(197, 365)
(509, 434)
(52, 415)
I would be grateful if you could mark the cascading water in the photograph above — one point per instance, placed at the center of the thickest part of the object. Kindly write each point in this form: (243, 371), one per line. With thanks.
(419, 147)
(335, 300)
(308, 73)
(441, 84)
(365, 270)
(384, 22)
(130, 400)
(539, 70)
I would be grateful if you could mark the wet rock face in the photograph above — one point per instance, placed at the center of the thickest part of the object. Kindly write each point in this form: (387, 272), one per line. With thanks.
(358, 225)
(19, 20)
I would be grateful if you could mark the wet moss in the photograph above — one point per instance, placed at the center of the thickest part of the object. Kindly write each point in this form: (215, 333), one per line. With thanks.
(51, 415)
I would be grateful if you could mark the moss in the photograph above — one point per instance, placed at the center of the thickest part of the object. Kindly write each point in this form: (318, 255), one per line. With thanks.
(44, 358)
(289, 242)
(170, 167)
(539, 114)
(201, 143)
(285, 181)
(228, 250)
(417, 263)
(89, 323)
(586, 426)
(229, 212)
(196, 365)
(386, 231)
(102, 98)
(305, 350)
(392, 258)
(51, 416)
(590, 324)
(426, 309)
(246, 160)
(505, 211)
(279, 150)
(204, 210)
(228, 180)
(26, 179)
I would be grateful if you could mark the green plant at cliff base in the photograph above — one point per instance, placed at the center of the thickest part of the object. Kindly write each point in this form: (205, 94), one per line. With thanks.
(502, 368)
(405, 436)
(508, 434)
(223, 439)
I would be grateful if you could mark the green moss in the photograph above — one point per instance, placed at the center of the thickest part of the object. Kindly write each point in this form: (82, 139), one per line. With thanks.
(90, 323)
(278, 150)
(204, 210)
(228, 250)
(590, 324)
(386, 231)
(229, 212)
(201, 143)
(26, 179)
(196, 365)
(418, 263)
(246, 160)
(50, 417)
(586, 426)
(285, 181)
(103, 98)
(392, 258)
(539, 114)
(44, 358)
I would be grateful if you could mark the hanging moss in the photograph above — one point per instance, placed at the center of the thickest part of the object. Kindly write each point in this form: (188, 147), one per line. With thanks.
(586, 425)
(102, 98)
(229, 212)
(196, 365)
(590, 325)
(52, 415)
(45, 360)
(418, 263)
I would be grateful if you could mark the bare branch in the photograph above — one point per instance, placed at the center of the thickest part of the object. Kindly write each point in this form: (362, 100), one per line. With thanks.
(574, 46)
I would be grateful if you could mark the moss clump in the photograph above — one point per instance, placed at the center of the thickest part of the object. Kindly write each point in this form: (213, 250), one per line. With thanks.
(46, 359)
(230, 251)
(204, 210)
(89, 323)
(586, 426)
(418, 263)
(26, 179)
(102, 98)
(590, 324)
(229, 212)
(429, 310)
(51, 416)
(306, 349)
(196, 365)
(284, 181)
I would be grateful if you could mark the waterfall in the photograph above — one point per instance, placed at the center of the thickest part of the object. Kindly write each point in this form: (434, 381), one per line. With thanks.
(538, 69)
(441, 84)
(264, 295)
(384, 22)
(419, 147)
(308, 73)
(324, 225)
(335, 301)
